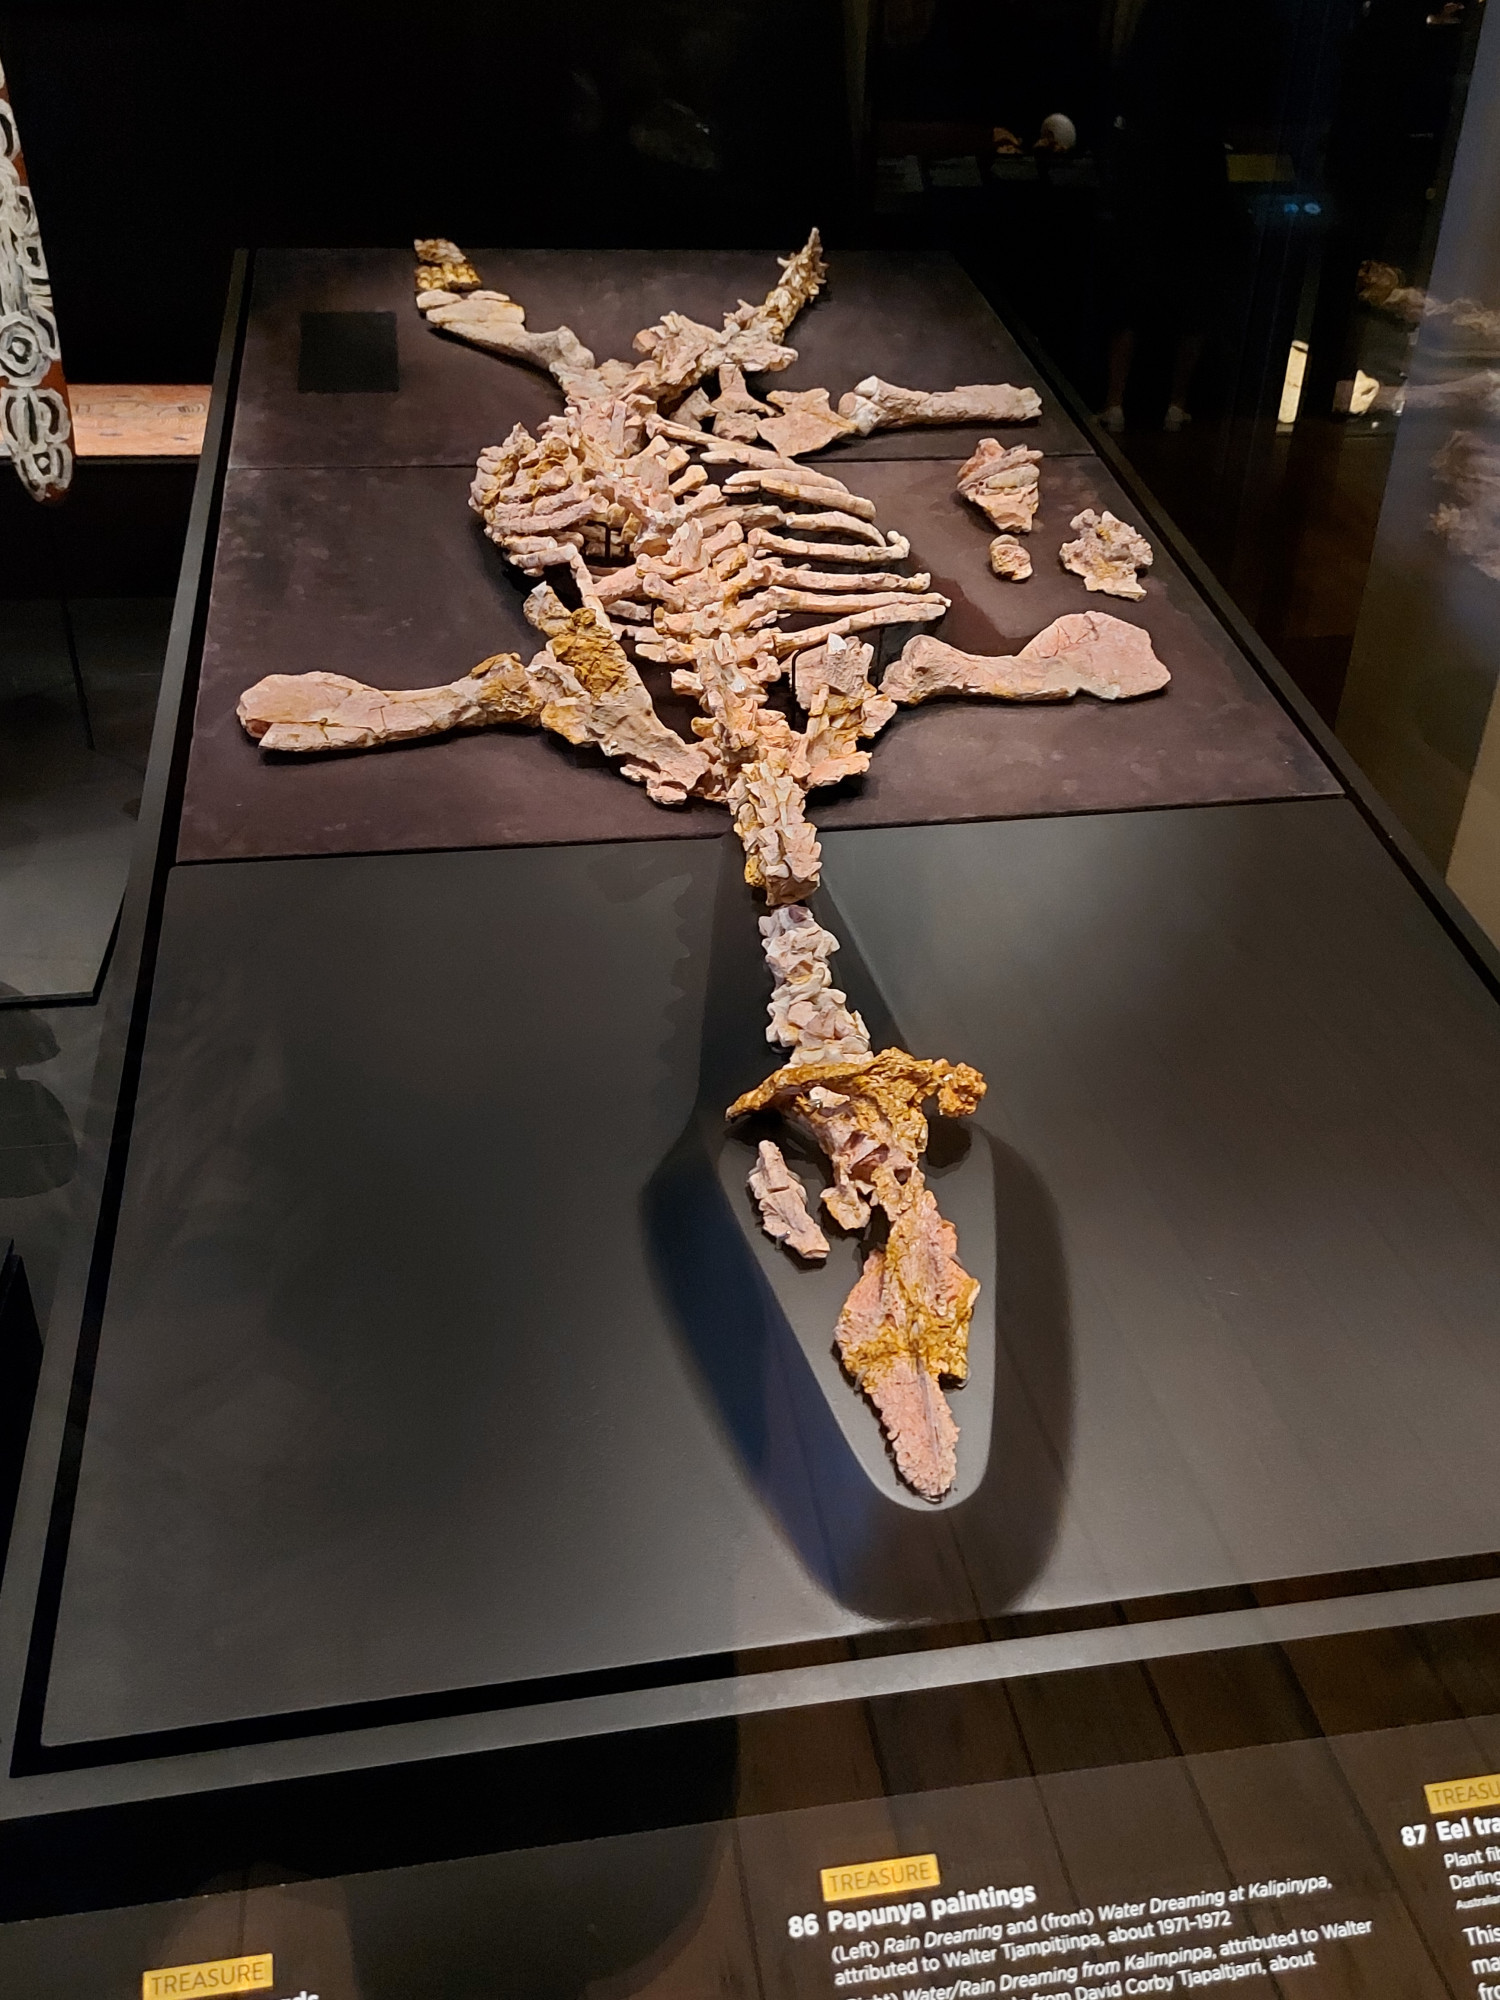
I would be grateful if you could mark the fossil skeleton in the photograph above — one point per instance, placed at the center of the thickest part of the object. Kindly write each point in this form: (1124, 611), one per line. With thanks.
(688, 535)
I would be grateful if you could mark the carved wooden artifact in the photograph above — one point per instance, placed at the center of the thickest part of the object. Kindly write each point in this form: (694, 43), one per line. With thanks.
(36, 424)
(670, 528)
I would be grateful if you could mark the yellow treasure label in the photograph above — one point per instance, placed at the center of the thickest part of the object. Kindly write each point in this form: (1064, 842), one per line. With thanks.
(880, 1878)
(246, 1974)
(1456, 1794)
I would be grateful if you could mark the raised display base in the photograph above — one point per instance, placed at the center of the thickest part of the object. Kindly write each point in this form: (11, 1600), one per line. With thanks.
(437, 1357)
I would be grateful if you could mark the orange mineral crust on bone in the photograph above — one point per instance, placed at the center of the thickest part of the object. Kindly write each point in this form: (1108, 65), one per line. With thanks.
(904, 1328)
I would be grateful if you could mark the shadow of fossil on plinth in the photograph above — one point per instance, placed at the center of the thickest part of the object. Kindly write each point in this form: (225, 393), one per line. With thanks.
(757, 1324)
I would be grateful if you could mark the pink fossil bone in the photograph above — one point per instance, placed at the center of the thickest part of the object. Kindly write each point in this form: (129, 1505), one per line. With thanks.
(1107, 554)
(873, 405)
(809, 1014)
(1085, 652)
(1008, 558)
(1003, 483)
(330, 712)
(782, 1202)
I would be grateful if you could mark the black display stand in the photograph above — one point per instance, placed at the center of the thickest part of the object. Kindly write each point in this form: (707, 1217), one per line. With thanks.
(425, 1394)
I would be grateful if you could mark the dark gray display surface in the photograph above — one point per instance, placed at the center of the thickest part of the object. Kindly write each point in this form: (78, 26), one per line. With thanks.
(384, 575)
(429, 1359)
(913, 319)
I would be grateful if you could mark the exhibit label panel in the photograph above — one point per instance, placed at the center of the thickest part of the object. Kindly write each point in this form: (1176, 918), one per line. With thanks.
(1366, 1864)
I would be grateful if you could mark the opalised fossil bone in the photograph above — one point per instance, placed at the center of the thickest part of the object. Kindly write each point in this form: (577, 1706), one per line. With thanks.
(329, 712)
(873, 405)
(807, 422)
(904, 1327)
(1003, 484)
(782, 1202)
(736, 413)
(1107, 554)
(808, 1012)
(596, 696)
(696, 550)
(443, 267)
(1009, 559)
(1084, 652)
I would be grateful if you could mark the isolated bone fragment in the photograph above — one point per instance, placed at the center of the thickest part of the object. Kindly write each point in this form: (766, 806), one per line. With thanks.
(1107, 554)
(596, 696)
(782, 1202)
(321, 711)
(873, 405)
(1008, 558)
(1003, 483)
(1085, 652)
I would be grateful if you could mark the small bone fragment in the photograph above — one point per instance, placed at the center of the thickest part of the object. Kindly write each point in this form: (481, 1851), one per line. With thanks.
(782, 1202)
(874, 405)
(809, 1015)
(1003, 484)
(321, 711)
(1009, 559)
(1087, 652)
(443, 267)
(1107, 554)
(807, 422)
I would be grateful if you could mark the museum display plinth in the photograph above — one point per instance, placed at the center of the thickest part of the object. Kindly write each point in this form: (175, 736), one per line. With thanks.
(432, 1391)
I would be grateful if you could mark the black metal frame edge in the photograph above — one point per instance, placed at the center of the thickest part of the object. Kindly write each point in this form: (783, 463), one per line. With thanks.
(1481, 953)
(28, 1600)
(34, 1758)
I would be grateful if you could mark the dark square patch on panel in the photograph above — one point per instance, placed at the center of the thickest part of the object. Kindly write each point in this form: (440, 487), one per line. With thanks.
(344, 353)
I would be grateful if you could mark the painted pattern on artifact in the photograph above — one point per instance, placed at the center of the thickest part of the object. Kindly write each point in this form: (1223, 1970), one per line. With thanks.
(36, 423)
